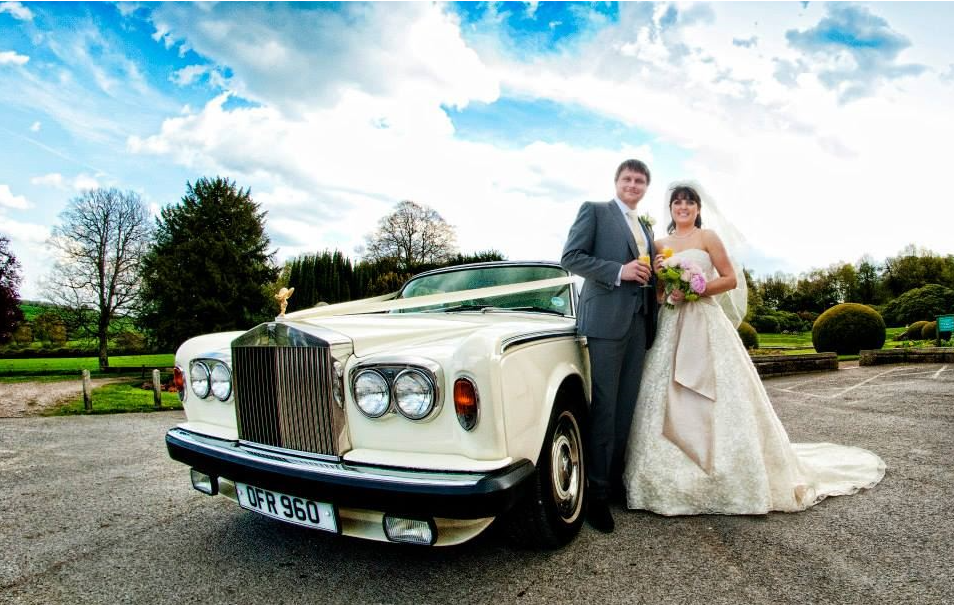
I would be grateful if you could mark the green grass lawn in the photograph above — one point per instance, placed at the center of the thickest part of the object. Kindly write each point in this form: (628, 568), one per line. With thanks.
(128, 363)
(801, 342)
(120, 397)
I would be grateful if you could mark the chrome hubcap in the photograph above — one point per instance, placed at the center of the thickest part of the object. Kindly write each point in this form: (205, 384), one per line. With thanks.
(566, 467)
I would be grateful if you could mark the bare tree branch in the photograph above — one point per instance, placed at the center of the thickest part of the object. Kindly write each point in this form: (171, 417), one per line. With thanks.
(412, 235)
(100, 242)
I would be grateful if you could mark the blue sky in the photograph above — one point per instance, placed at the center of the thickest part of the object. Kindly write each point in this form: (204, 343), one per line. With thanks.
(821, 129)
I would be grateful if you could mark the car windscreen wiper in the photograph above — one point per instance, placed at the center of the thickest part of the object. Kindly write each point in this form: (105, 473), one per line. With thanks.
(462, 308)
(538, 310)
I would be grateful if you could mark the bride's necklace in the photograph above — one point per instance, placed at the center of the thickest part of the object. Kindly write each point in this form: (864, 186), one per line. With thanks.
(677, 236)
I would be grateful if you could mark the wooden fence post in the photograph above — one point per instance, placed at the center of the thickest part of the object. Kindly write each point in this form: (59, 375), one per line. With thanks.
(87, 392)
(156, 389)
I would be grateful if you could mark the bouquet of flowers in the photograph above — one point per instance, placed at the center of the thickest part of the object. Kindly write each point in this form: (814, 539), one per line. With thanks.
(682, 275)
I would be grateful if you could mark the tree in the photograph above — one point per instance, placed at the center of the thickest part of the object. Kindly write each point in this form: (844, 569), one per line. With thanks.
(869, 282)
(209, 269)
(844, 279)
(918, 304)
(914, 268)
(775, 290)
(49, 327)
(814, 291)
(101, 240)
(412, 235)
(10, 313)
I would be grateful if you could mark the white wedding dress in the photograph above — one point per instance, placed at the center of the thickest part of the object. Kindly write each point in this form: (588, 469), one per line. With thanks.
(700, 390)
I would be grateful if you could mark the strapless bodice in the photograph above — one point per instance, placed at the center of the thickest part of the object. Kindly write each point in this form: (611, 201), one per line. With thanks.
(699, 257)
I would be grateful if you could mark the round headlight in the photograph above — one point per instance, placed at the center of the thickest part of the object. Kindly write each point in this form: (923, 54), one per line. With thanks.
(371, 393)
(199, 379)
(414, 394)
(221, 382)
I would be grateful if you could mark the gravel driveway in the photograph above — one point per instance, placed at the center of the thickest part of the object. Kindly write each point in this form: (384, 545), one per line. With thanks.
(92, 510)
(19, 399)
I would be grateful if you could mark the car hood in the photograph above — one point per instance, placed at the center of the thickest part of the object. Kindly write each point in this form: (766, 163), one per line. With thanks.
(385, 332)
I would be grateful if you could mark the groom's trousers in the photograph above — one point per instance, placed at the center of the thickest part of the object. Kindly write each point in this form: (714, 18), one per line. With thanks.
(616, 368)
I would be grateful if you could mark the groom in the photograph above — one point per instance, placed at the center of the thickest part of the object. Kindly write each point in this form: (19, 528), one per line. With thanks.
(618, 317)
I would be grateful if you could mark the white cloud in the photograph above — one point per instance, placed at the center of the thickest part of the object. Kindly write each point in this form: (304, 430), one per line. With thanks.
(531, 10)
(53, 179)
(8, 200)
(83, 182)
(353, 123)
(414, 51)
(91, 86)
(188, 74)
(80, 182)
(327, 178)
(35, 127)
(17, 10)
(807, 179)
(28, 243)
(10, 57)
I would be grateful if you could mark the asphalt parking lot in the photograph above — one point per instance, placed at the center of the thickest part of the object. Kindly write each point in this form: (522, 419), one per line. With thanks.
(92, 510)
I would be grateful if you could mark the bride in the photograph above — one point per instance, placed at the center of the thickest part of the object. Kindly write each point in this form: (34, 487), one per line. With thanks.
(705, 438)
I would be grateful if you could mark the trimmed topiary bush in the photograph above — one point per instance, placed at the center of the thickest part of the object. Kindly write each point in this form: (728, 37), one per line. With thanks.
(847, 328)
(750, 338)
(914, 330)
(929, 331)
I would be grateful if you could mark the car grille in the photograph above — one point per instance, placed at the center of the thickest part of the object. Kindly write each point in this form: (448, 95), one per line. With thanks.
(283, 397)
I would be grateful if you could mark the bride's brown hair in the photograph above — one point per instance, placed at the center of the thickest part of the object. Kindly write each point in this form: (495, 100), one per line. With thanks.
(684, 192)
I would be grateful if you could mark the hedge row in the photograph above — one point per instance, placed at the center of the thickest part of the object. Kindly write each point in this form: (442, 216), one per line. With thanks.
(16, 353)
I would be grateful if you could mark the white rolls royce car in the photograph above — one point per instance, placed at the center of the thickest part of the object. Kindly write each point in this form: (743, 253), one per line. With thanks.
(418, 417)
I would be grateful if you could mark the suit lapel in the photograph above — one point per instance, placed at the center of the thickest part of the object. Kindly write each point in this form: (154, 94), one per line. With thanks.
(648, 234)
(625, 230)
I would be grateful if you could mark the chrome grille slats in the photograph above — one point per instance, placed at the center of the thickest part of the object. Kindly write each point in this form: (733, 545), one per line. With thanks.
(283, 397)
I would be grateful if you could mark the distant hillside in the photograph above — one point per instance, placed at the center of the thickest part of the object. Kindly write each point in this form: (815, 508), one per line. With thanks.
(32, 308)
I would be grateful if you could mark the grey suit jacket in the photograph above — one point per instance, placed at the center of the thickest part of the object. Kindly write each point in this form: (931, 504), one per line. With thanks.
(599, 243)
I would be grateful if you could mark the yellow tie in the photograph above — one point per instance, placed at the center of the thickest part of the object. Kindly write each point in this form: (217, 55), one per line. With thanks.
(637, 230)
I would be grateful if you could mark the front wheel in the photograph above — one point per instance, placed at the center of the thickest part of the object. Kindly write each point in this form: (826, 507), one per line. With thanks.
(552, 513)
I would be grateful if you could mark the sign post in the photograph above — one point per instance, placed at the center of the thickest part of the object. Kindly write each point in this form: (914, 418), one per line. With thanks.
(945, 327)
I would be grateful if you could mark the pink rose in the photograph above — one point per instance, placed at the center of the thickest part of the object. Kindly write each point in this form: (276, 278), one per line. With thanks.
(686, 275)
(698, 283)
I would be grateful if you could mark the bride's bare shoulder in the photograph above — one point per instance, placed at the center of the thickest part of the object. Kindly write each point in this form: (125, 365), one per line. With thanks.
(712, 244)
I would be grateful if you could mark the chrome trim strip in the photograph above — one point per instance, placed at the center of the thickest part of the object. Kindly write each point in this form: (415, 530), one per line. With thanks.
(320, 468)
(535, 336)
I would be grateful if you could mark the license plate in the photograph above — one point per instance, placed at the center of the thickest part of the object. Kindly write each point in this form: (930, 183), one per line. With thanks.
(291, 509)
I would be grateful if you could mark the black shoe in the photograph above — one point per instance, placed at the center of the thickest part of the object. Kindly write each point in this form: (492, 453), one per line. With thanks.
(598, 515)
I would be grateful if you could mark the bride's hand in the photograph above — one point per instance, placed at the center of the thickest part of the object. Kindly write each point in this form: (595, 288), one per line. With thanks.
(677, 296)
(658, 264)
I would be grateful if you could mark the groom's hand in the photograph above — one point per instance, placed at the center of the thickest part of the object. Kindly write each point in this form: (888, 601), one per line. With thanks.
(637, 272)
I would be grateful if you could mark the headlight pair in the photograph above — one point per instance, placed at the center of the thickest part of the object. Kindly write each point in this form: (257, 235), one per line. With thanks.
(210, 377)
(411, 391)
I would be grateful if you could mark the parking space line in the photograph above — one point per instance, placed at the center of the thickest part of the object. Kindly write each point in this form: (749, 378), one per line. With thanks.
(774, 388)
(903, 373)
(843, 391)
(863, 382)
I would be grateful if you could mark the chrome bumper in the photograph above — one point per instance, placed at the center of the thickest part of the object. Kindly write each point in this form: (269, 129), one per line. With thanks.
(453, 495)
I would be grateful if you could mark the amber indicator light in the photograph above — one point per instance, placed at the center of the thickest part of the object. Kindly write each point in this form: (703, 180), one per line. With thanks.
(465, 403)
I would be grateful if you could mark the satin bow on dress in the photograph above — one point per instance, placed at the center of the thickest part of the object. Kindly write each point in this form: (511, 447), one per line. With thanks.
(692, 391)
